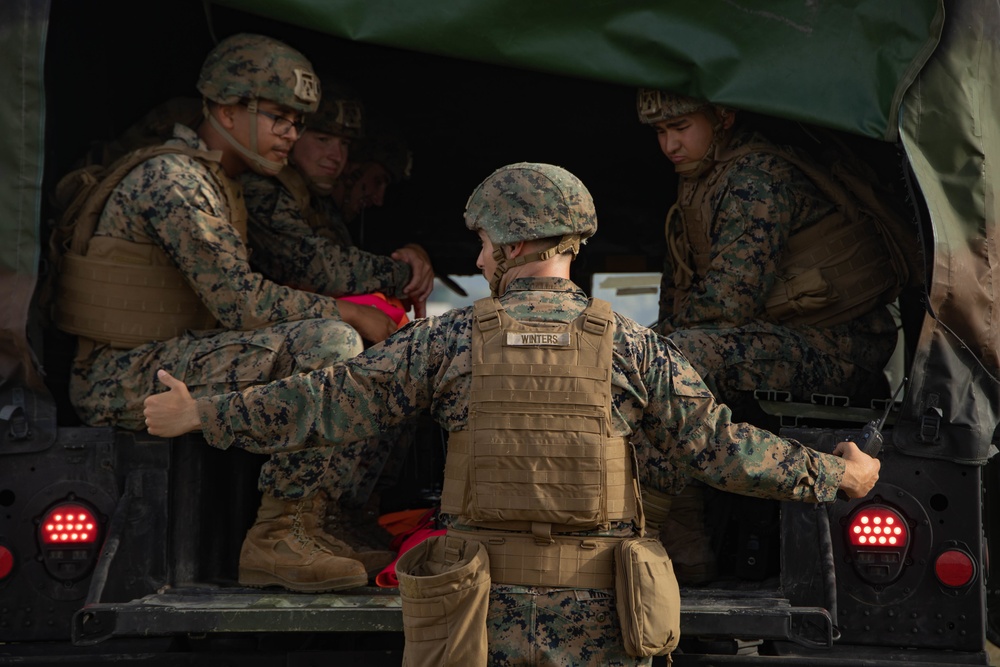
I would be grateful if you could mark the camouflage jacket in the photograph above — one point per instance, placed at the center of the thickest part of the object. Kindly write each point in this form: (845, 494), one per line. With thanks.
(426, 366)
(173, 202)
(759, 202)
(287, 249)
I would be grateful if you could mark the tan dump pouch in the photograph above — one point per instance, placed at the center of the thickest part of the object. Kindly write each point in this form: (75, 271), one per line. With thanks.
(444, 585)
(564, 561)
(647, 597)
(125, 305)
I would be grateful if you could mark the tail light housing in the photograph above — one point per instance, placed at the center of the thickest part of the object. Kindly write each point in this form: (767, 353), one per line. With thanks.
(69, 538)
(878, 537)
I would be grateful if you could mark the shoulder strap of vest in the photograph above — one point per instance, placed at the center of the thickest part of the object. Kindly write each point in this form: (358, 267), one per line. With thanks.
(84, 216)
(486, 312)
(598, 316)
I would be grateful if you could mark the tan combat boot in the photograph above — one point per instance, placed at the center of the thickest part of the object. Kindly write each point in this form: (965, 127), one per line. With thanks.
(341, 543)
(680, 520)
(279, 551)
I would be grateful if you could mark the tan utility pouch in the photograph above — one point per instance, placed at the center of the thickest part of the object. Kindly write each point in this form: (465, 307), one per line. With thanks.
(647, 597)
(444, 584)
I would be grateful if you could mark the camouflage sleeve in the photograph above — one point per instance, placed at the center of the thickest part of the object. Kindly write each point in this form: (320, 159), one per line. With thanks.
(183, 212)
(289, 251)
(752, 221)
(690, 432)
(423, 366)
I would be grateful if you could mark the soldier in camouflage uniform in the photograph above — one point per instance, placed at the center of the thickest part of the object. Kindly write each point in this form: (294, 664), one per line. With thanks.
(186, 213)
(725, 249)
(298, 237)
(381, 159)
(531, 219)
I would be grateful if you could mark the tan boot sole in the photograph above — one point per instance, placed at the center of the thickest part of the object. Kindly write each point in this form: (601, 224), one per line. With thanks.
(260, 579)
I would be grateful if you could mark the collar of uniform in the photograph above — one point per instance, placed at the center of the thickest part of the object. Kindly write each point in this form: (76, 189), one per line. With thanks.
(188, 137)
(544, 284)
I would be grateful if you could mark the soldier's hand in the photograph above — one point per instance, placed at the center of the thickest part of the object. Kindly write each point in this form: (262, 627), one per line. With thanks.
(173, 412)
(421, 276)
(373, 325)
(860, 470)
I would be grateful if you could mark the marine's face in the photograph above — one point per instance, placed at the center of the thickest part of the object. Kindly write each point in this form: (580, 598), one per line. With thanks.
(685, 139)
(271, 144)
(368, 190)
(485, 261)
(321, 157)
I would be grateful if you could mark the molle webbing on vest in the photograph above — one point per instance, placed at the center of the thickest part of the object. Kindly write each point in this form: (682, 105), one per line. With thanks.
(126, 305)
(124, 293)
(567, 561)
(537, 448)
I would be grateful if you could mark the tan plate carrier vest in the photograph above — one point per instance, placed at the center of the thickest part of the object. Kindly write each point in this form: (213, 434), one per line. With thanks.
(537, 458)
(834, 271)
(120, 292)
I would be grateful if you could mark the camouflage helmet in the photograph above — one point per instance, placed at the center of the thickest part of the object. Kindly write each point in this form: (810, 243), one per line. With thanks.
(658, 105)
(340, 112)
(528, 201)
(250, 67)
(387, 149)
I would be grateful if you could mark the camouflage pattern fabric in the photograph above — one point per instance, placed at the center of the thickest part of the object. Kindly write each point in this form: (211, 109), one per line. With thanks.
(268, 331)
(250, 67)
(289, 251)
(426, 367)
(555, 628)
(516, 203)
(719, 321)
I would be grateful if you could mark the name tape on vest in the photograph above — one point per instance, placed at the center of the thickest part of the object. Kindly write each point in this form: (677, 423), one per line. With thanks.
(536, 339)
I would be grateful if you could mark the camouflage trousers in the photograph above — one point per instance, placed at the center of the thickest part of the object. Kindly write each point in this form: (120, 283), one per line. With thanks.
(547, 627)
(736, 361)
(108, 385)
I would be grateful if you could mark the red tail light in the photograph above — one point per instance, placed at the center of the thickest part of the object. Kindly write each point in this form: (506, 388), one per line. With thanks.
(878, 527)
(68, 535)
(877, 540)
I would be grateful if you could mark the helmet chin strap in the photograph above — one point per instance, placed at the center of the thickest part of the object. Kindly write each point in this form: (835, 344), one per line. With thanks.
(257, 162)
(569, 242)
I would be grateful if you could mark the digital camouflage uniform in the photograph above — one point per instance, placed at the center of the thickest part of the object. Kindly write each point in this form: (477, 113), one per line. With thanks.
(300, 239)
(426, 366)
(291, 252)
(719, 320)
(266, 332)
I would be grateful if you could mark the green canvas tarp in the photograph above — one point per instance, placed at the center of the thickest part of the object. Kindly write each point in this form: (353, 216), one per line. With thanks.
(863, 66)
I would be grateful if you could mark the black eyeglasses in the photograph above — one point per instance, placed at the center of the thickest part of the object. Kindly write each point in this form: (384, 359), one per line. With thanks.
(281, 125)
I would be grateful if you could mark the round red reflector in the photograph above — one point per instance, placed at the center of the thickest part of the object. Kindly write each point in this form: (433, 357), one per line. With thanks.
(954, 568)
(6, 562)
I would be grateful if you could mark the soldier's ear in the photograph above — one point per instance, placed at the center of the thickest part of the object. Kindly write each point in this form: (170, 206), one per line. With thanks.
(516, 249)
(225, 114)
(728, 118)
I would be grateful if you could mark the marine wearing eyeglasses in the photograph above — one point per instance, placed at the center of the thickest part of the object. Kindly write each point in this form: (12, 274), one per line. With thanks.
(178, 216)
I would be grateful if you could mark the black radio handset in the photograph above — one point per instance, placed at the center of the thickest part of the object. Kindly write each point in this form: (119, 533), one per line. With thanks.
(870, 440)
